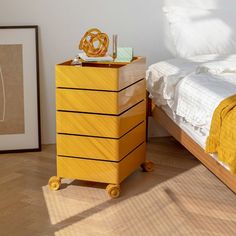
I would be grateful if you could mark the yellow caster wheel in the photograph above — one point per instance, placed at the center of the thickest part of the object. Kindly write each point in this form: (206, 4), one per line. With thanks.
(54, 183)
(148, 166)
(113, 190)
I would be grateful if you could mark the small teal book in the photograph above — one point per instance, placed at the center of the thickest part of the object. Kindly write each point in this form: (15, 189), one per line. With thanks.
(124, 54)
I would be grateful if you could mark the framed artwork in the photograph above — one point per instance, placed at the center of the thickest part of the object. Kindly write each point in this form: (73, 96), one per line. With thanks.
(19, 89)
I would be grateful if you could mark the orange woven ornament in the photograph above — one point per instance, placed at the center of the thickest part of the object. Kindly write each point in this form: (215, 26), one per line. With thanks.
(94, 43)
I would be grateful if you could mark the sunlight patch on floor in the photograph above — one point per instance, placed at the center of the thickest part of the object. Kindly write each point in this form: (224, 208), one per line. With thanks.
(162, 207)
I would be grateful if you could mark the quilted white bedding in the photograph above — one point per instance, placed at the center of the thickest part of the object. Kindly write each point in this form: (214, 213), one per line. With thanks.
(193, 87)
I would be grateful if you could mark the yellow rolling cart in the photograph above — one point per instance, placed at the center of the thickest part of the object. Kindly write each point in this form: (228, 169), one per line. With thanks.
(101, 112)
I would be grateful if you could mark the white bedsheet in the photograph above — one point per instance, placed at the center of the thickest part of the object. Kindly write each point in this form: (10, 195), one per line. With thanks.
(190, 89)
(163, 76)
(198, 95)
(217, 67)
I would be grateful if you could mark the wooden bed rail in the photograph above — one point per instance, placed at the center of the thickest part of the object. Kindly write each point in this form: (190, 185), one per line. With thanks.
(223, 174)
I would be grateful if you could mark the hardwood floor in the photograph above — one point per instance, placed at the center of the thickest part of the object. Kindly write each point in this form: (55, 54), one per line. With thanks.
(181, 197)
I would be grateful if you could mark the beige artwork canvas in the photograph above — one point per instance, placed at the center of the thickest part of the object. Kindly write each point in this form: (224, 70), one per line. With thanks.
(11, 90)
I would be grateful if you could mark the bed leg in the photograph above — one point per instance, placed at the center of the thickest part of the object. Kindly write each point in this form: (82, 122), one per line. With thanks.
(148, 112)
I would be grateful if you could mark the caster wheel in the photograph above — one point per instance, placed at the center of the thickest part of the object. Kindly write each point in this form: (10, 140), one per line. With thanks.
(113, 190)
(54, 183)
(148, 166)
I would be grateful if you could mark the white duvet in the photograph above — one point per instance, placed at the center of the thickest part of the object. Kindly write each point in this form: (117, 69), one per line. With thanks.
(193, 87)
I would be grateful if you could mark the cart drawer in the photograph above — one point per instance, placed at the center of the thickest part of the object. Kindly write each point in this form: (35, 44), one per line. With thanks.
(101, 76)
(100, 171)
(102, 102)
(100, 148)
(100, 125)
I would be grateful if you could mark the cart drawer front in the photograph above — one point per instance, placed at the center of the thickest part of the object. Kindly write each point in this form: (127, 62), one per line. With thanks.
(100, 125)
(100, 171)
(100, 148)
(102, 102)
(98, 78)
(86, 77)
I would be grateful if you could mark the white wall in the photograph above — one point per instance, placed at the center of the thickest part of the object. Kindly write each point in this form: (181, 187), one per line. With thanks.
(139, 24)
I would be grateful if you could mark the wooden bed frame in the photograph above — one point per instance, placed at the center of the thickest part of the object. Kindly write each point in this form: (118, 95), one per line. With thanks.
(163, 119)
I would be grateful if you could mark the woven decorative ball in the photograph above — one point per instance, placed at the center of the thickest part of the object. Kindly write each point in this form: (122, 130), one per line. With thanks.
(94, 43)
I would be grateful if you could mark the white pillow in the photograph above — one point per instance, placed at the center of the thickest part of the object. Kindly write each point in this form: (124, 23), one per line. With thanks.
(200, 31)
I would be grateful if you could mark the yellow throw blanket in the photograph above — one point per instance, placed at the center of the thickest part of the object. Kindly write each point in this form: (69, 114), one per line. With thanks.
(222, 137)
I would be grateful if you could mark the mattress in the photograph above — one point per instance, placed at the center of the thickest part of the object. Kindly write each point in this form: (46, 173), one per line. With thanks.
(189, 90)
(189, 87)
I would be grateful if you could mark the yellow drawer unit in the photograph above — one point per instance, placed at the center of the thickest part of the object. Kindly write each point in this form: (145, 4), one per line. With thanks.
(100, 76)
(100, 122)
(102, 125)
(101, 148)
(101, 171)
(100, 102)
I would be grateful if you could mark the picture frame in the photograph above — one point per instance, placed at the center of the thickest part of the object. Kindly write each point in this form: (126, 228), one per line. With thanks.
(19, 89)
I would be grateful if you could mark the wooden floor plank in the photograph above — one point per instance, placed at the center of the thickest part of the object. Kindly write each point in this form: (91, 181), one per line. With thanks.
(181, 197)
